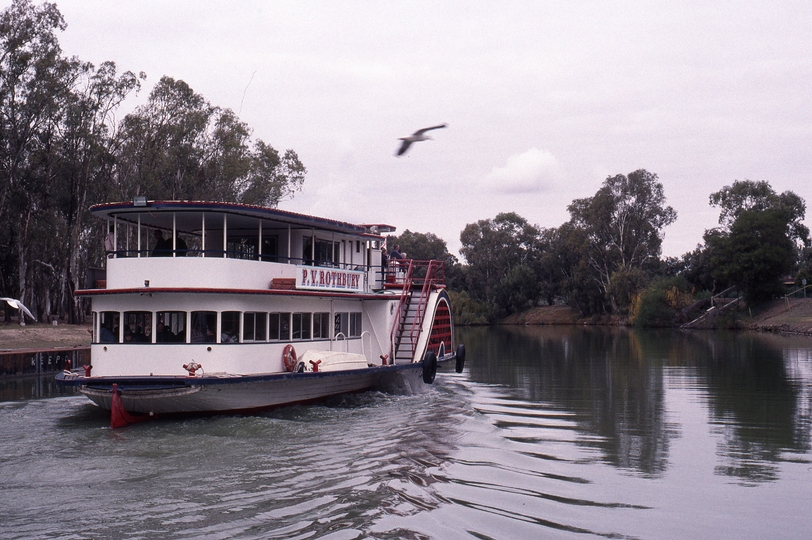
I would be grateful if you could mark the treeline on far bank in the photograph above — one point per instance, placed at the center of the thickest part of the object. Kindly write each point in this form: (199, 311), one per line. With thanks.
(605, 262)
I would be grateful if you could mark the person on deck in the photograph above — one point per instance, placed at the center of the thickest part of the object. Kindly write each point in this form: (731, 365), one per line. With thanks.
(397, 258)
(163, 247)
(110, 242)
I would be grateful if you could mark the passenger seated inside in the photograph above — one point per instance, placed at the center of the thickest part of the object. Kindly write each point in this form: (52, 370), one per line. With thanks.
(106, 335)
(164, 334)
(139, 336)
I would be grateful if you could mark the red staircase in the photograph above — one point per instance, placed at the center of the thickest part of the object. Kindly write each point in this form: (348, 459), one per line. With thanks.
(417, 281)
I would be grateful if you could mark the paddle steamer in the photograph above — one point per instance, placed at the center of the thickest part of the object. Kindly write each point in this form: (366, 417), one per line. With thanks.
(208, 307)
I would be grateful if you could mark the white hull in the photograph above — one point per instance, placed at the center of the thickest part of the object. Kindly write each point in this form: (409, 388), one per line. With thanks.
(212, 395)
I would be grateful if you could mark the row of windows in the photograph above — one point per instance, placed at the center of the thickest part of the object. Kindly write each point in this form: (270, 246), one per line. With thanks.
(234, 326)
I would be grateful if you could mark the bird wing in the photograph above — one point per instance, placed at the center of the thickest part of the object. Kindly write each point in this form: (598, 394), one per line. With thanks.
(422, 131)
(16, 304)
(403, 147)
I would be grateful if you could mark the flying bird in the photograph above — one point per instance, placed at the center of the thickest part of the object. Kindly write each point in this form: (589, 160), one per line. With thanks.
(16, 304)
(417, 136)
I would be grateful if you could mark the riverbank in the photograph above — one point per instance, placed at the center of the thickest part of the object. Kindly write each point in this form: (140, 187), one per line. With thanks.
(43, 336)
(785, 316)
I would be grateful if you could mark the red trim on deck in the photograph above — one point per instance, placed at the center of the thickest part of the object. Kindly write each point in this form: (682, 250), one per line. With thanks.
(186, 290)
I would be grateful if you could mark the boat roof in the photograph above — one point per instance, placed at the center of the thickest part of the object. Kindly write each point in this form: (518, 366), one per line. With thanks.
(187, 216)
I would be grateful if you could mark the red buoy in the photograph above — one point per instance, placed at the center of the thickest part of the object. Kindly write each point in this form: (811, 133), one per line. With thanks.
(119, 417)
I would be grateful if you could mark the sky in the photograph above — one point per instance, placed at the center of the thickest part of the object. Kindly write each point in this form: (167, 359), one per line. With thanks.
(543, 99)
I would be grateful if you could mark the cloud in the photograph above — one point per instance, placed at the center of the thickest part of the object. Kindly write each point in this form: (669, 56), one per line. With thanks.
(529, 172)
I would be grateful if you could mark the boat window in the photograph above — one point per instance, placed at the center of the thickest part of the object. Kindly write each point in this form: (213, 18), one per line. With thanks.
(254, 326)
(321, 325)
(108, 327)
(204, 325)
(342, 325)
(242, 248)
(348, 324)
(355, 324)
(301, 326)
(230, 327)
(170, 327)
(137, 327)
(279, 326)
(327, 252)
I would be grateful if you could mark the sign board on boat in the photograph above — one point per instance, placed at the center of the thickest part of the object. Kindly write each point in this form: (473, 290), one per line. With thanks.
(329, 279)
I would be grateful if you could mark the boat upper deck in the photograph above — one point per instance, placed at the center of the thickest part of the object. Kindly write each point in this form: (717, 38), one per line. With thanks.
(214, 245)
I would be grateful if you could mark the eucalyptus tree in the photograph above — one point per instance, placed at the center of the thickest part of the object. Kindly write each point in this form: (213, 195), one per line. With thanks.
(61, 151)
(85, 166)
(749, 195)
(564, 270)
(760, 240)
(179, 146)
(755, 254)
(623, 222)
(35, 83)
(493, 248)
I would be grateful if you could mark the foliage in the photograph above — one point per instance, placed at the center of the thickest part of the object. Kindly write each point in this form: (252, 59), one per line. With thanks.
(697, 269)
(623, 223)
(492, 248)
(658, 305)
(748, 195)
(466, 310)
(564, 270)
(625, 285)
(517, 291)
(178, 146)
(61, 151)
(756, 254)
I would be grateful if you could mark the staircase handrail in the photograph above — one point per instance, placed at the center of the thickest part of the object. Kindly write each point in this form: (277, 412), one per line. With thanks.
(404, 294)
(434, 276)
(424, 300)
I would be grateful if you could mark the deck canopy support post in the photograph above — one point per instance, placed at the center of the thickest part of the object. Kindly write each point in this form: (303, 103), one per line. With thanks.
(203, 233)
(259, 242)
(225, 235)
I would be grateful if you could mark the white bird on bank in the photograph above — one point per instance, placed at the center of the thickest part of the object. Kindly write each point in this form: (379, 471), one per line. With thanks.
(417, 136)
(16, 304)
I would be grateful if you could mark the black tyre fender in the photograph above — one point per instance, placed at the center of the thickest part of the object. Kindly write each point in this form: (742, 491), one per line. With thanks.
(460, 358)
(429, 367)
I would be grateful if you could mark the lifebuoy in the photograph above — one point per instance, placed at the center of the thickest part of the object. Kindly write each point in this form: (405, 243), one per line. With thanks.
(289, 357)
(429, 367)
(460, 358)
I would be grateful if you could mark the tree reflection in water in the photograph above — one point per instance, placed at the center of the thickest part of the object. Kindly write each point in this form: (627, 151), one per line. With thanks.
(614, 381)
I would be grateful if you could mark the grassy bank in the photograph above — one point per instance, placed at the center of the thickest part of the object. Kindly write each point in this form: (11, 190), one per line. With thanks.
(793, 316)
(43, 336)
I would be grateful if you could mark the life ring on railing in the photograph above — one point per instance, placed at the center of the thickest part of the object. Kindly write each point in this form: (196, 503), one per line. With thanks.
(429, 367)
(289, 358)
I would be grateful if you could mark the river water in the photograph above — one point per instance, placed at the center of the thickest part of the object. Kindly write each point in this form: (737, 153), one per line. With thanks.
(550, 432)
